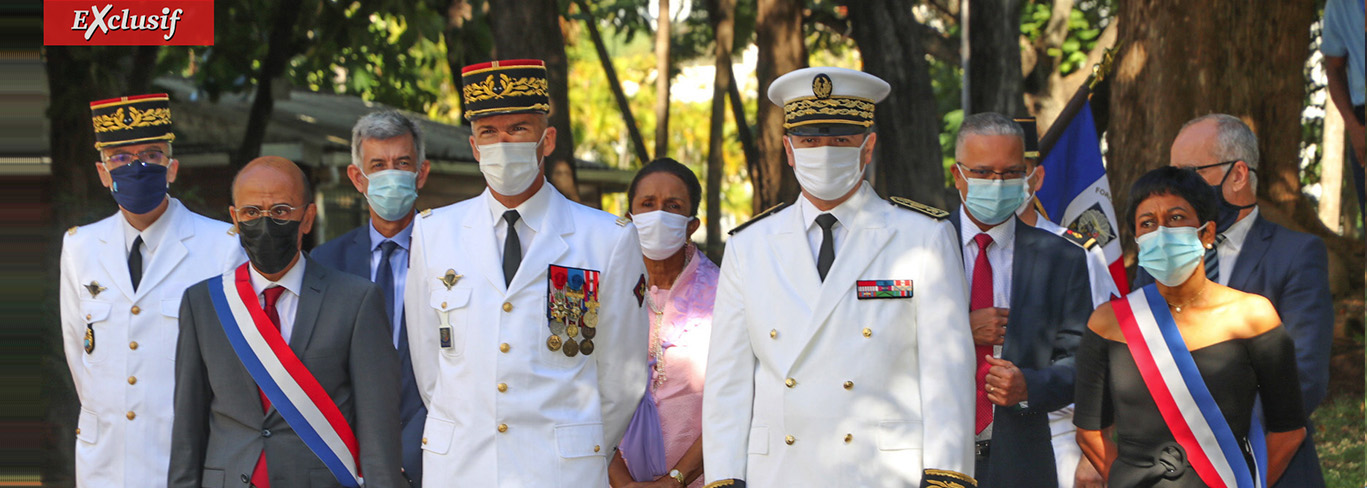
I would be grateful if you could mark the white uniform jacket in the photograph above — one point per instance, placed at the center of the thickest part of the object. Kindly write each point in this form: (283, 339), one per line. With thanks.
(126, 382)
(504, 409)
(808, 384)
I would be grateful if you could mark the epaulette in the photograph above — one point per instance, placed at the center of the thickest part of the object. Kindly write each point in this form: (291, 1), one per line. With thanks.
(1078, 238)
(944, 477)
(727, 483)
(426, 212)
(623, 221)
(232, 231)
(72, 230)
(930, 211)
(772, 210)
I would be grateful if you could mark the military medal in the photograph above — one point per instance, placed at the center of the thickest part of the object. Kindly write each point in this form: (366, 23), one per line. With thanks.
(89, 339)
(94, 288)
(571, 309)
(450, 278)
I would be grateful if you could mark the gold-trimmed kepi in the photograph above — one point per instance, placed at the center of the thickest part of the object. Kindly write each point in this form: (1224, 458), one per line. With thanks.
(827, 101)
(136, 119)
(1031, 136)
(505, 87)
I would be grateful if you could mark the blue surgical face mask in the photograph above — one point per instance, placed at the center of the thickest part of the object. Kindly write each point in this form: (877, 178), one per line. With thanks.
(993, 201)
(391, 193)
(139, 187)
(1171, 254)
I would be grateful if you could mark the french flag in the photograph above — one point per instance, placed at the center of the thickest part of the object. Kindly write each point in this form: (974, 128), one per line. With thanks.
(1076, 194)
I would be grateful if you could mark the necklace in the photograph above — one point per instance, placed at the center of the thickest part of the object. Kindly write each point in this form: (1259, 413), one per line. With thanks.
(1178, 308)
(657, 341)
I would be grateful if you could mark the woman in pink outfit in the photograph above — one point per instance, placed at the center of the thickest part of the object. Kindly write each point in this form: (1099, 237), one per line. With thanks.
(663, 446)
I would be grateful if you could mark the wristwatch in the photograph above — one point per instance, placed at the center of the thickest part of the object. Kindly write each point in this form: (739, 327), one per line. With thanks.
(678, 476)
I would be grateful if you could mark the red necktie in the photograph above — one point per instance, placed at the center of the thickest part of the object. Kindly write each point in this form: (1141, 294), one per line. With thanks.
(982, 298)
(260, 478)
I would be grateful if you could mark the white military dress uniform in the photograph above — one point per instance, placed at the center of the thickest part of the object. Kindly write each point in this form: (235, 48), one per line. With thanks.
(807, 383)
(504, 409)
(126, 381)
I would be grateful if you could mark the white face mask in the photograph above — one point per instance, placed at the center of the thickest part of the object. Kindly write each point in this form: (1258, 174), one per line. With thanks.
(510, 168)
(662, 233)
(827, 172)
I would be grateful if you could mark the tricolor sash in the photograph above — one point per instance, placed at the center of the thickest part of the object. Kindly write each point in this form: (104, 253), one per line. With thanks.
(291, 388)
(1178, 389)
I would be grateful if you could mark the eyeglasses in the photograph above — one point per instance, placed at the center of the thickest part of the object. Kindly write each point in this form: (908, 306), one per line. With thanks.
(1009, 174)
(279, 212)
(150, 156)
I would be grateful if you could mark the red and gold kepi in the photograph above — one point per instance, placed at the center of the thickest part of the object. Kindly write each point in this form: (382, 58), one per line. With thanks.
(505, 87)
(134, 119)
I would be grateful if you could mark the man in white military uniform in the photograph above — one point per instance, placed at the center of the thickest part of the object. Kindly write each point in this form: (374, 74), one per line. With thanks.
(525, 316)
(840, 350)
(122, 280)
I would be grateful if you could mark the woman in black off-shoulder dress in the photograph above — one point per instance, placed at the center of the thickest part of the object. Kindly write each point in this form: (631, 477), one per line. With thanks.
(1235, 338)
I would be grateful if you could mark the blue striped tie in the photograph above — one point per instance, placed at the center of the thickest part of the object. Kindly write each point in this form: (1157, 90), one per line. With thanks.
(1213, 259)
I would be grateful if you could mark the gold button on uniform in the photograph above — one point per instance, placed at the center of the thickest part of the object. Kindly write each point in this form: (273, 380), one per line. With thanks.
(87, 317)
(849, 438)
(502, 387)
(78, 431)
(136, 310)
(131, 415)
(507, 306)
(424, 441)
(789, 440)
(597, 448)
(773, 333)
(443, 304)
(504, 347)
(868, 332)
(132, 380)
(133, 345)
(502, 427)
(790, 382)
(849, 385)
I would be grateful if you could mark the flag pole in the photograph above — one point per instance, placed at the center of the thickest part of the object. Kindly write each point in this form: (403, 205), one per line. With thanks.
(1100, 73)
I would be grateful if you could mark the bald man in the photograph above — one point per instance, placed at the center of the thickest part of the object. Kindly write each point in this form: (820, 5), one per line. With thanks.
(272, 387)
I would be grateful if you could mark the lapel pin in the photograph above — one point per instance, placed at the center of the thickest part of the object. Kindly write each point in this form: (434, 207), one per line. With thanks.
(94, 288)
(450, 279)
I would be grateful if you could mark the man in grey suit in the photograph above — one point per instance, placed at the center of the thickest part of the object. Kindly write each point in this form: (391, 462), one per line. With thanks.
(1030, 297)
(227, 429)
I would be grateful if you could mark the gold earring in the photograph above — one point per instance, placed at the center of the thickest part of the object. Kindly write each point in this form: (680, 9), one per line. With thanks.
(1210, 246)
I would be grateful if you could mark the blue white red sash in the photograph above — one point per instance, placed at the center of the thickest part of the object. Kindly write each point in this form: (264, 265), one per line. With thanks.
(1177, 388)
(291, 388)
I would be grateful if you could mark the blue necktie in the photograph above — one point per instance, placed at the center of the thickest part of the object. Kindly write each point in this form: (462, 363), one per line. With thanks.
(384, 276)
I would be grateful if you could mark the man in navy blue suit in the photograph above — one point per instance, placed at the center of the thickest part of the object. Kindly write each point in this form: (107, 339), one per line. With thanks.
(1257, 256)
(389, 165)
(1030, 297)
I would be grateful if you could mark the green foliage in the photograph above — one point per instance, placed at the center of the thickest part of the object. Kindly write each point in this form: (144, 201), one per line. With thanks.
(1085, 23)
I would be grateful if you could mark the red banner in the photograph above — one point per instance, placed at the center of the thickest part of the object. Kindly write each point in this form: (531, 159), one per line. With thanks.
(128, 23)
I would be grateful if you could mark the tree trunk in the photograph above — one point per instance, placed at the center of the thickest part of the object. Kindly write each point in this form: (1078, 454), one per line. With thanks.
(908, 151)
(662, 79)
(747, 138)
(531, 29)
(724, 20)
(280, 47)
(994, 57)
(1240, 57)
(623, 105)
(778, 34)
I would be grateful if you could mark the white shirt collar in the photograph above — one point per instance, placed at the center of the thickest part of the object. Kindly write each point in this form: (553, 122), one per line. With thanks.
(1003, 234)
(531, 212)
(403, 238)
(292, 281)
(153, 234)
(1236, 233)
(844, 213)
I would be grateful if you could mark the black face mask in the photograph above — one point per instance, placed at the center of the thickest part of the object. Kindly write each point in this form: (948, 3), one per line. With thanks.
(270, 245)
(1229, 212)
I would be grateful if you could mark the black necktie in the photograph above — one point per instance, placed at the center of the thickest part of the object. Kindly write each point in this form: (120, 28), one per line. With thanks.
(512, 248)
(135, 262)
(826, 255)
(384, 276)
